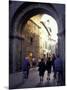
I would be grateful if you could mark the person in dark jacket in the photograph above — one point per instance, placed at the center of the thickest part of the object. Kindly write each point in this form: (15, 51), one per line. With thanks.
(53, 59)
(58, 68)
(41, 69)
(53, 65)
(26, 67)
(49, 63)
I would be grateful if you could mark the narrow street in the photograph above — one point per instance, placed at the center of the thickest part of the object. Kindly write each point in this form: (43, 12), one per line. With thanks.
(33, 80)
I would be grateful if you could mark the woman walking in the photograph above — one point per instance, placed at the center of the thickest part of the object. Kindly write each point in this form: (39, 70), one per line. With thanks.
(41, 69)
(49, 63)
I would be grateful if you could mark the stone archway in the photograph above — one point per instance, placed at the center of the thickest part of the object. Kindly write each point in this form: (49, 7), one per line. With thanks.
(22, 15)
(31, 10)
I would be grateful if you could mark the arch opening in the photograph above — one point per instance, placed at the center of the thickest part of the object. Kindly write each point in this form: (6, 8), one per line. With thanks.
(40, 34)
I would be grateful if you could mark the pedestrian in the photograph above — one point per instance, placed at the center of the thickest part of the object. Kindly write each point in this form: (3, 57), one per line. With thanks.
(33, 62)
(41, 69)
(45, 61)
(26, 66)
(48, 67)
(53, 60)
(58, 68)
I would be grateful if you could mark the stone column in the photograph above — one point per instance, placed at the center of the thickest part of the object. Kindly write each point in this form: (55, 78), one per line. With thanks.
(14, 55)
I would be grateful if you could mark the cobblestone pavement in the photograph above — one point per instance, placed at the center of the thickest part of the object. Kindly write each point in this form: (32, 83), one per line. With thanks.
(33, 81)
